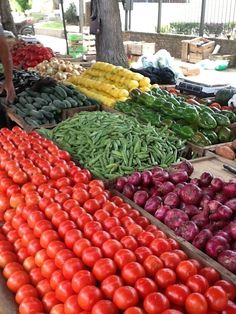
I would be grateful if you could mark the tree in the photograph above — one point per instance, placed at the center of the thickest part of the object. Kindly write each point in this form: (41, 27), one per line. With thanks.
(109, 42)
(6, 16)
(24, 4)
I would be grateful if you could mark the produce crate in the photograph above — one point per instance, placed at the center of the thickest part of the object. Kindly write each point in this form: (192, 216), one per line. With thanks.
(70, 112)
(226, 57)
(200, 151)
(201, 45)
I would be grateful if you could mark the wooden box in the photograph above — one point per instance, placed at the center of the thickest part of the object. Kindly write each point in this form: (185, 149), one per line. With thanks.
(139, 48)
(201, 45)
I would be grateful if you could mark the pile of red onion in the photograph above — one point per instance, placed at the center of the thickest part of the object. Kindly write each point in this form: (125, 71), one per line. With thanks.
(201, 210)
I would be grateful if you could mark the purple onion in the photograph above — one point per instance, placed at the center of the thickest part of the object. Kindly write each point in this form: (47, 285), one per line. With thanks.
(135, 179)
(152, 204)
(161, 212)
(140, 197)
(120, 183)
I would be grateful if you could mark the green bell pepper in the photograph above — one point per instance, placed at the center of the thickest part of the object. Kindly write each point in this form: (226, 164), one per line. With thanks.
(189, 114)
(224, 134)
(230, 114)
(207, 121)
(221, 119)
(211, 135)
(146, 99)
(183, 131)
(200, 139)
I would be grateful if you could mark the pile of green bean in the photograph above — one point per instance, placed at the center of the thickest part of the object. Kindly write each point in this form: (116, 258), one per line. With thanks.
(112, 145)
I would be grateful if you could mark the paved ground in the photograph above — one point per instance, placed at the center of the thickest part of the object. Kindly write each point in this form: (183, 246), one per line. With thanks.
(55, 43)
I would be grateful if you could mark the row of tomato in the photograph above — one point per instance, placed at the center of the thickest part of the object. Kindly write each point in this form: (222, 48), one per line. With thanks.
(68, 246)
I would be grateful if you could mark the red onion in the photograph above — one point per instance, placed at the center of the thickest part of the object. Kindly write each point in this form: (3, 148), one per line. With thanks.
(191, 194)
(204, 202)
(222, 212)
(156, 169)
(220, 197)
(129, 190)
(160, 176)
(216, 245)
(191, 210)
(146, 178)
(120, 183)
(195, 181)
(229, 189)
(228, 259)
(178, 176)
(188, 231)
(205, 179)
(207, 191)
(172, 199)
(152, 204)
(233, 246)
(154, 191)
(217, 184)
(215, 226)
(224, 235)
(166, 187)
(185, 166)
(201, 239)
(135, 178)
(178, 188)
(213, 205)
(175, 218)
(232, 230)
(161, 212)
(140, 197)
(231, 204)
(201, 220)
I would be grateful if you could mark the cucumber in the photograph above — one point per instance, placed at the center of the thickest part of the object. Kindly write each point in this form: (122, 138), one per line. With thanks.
(48, 90)
(22, 100)
(59, 104)
(73, 102)
(48, 115)
(21, 113)
(32, 93)
(67, 103)
(29, 99)
(37, 114)
(46, 97)
(53, 97)
(31, 122)
(29, 107)
(37, 105)
(50, 108)
(24, 93)
(68, 91)
(41, 101)
(59, 90)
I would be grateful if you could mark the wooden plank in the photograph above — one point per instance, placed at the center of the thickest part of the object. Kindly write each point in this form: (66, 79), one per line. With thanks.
(184, 50)
(191, 251)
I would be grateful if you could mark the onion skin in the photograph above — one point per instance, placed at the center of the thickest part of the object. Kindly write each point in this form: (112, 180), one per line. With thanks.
(217, 184)
(185, 166)
(224, 234)
(191, 194)
(152, 204)
(166, 187)
(175, 218)
(188, 231)
(120, 183)
(216, 245)
(227, 258)
(160, 176)
(229, 189)
(161, 212)
(129, 190)
(232, 229)
(222, 212)
(201, 220)
(233, 246)
(140, 197)
(172, 200)
(202, 238)
(179, 176)
(231, 204)
(135, 179)
(146, 178)
(191, 210)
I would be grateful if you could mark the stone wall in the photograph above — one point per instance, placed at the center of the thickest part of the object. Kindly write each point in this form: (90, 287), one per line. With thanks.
(172, 43)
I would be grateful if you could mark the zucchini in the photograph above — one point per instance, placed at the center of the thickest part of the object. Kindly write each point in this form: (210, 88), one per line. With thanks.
(53, 97)
(73, 102)
(60, 91)
(68, 91)
(37, 105)
(37, 114)
(50, 108)
(67, 103)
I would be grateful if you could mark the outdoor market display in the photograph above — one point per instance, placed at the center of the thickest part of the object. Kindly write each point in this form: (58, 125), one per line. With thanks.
(201, 210)
(43, 104)
(68, 246)
(108, 83)
(112, 144)
(58, 69)
(198, 124)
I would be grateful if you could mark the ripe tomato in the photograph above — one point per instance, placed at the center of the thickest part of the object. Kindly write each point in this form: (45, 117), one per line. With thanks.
(145, 238)
(104, 307)
(17, 220)
(159, 246)
(71, 305)
(117, 232)
(197, 283)
(56, 278)
(196, 304)
(69, 204)
(231, 308)
(59, 216)
(48, 268)
(103, 268)
(62, 256)
(10, 268)
(134, 310)
(177, 294)
(110, 284)
(64, 290)
(142, 253)
(17, 279)
(101, 214)
(117, 200)
(170, 259)
(33, 247)
(80, 195)
(51, 209)
(145, 286)
(165, 277)
(123, 257)
(6, 246)
(90, 255)
(54, 247)
(88, 297)
(43, 287)
(40, 257)
(49, 300)
(22, 254)
(80, 245)
(110, 222)
(217, 298)
(65, 226)
(75, 212)
(99, 237)
(29, 263)
(7, 257)
(185, 269)
(131, 272)
(81, 279)
(26, 291)
(57, 172)
(30, 305)
(110, 247)
(119, 212)
(156, 303)
(152, 264)
(181, 254)
(142, 221)
(228, 288)
(91, 227)
(83, 219)
(44, 203)
(210, 274)
(36, 275)
(64, 181)
(16, 199)
(48, 236)
(91, 206)
(125, 297)
(80, 176)
(71, 237)
(71, 267)
(134, 229)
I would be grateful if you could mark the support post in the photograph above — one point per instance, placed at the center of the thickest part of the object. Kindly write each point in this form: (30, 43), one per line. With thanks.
(81, 15)
(126, 20)
(130, 20)
(64, 26)
(202, 20)
(159, 16)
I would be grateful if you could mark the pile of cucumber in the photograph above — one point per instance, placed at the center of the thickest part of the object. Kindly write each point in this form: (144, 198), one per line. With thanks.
(45, 107)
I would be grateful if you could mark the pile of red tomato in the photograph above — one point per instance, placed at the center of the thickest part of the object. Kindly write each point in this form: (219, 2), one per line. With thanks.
(67, 246)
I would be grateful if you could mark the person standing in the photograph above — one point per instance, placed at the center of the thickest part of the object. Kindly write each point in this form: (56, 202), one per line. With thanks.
(6, 60)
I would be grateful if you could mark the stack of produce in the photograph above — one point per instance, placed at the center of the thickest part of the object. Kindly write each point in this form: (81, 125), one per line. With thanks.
(108, 83)
(45, 105)
(197, 123)
(111, 144)
(202, 211)
(227, 151)
(29, 55)
(68, 246)
(58, 69)
(224, 95)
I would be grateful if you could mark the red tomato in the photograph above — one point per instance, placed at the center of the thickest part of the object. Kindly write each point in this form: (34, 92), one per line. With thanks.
(25, 291)
(126, 221)
(75, 212)
(91, 227)
(156, 303)
(123, 257)
(9, 214)
(134, 310)
(90, 255)
(231, 308)
(62, 256)
(6, 246)
(33, 247)
(40, 257)
(131, 272)
(196, 304)
(41, 226)
(65, 226)
(170, 259)
(88, 297)
(152, 264)
(80, 245)
(59, 216)
(83, 219)
(80, 195)
(45, 202)
(129, 243)
(51, 209)
(110, 284)
(165, 277)
(81, 279)
(71, 237)
(64, 290)
(125, 297)
(48, 236)
(145, 238)
(159, 246)
(64, 181)
(49, 300)
(17, 220)
(110, 222)
(56, 278)
(145, 286)
(134, 229)
(172, 311)
(210, 274)
(30, 305)
(196, 263)
(228, 288)
(99, 237)
(71, 266)
(36, 275)
(197, 283)
(69, 204)
(177, 294)
(48, 268)
(27, 187)
(142, 221)
(103, 268)
(91, 206)
(16, 199)
(104, 307)
(43, 287)
(22, 254)
(57, 172)
(80, 177)
(38, 179)
(119, 212)
(29, 263)
(142, 253)
(117, 200)
(96, 183)
(61, 198)
(17, 279)
(110, 247)
(217, 298)
(117, 232)
(71, 305)
(183, 256)
(101, 214)
(10, 268)
(185, 269)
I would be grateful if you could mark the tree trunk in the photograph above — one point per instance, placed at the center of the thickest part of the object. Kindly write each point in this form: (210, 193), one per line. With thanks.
(109, 41)
(6, 16)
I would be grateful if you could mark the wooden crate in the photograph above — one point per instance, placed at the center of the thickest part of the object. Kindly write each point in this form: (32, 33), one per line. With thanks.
(200, 151)
(227, 57)
(70, 112)
(139, 48)
(201, 45)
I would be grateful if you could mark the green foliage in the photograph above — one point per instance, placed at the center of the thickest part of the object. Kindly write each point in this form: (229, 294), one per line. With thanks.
(24, 4)
(71, 14)
(187, 28)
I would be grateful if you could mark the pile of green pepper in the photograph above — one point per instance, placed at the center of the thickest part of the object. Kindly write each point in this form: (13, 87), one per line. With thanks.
(198, 124)
(113, 145)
